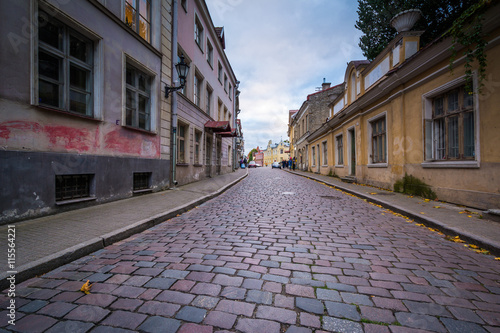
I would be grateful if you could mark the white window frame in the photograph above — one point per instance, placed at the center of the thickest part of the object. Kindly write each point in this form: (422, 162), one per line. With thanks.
(97, 87)
(369, 126)
(313, 156)
(199, 32)
(428, 132)
(153, 99)
(198, 145)
(210, 53)
(185, 140)
(197, 89)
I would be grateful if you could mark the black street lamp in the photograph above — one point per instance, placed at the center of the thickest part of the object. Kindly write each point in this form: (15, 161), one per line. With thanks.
(182, 71)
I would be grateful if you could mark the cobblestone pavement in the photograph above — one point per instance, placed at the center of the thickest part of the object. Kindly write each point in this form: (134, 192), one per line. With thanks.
(275, 253)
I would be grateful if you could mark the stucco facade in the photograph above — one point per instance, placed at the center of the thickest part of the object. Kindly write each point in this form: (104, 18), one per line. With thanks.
(411, 115)
(276, 152)
(83, 106)
(210, 94)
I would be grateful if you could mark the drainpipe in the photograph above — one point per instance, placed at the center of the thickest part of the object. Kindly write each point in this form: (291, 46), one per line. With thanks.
(174, 94)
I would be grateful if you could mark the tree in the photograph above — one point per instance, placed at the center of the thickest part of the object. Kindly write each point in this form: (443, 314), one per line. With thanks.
(374, 17)
(250, 154)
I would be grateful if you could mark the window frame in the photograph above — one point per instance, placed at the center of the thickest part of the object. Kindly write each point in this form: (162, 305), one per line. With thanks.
(313, 156)
(210, 53)
(150, 93)
(373, 140)
(197, 88)
(182, 143)
(65, 63)
(138, 14)
(339, 150)
(324, 145)
(197, 153)
(199, 33)
(429, 130)
(208, 99)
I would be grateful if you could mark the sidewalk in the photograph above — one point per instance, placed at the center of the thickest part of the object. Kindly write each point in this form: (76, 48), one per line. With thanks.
(48, 242)
(451, 219)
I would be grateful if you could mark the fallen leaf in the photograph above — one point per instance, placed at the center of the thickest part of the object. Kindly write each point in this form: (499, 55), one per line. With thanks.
(86, 287)
(437, 207)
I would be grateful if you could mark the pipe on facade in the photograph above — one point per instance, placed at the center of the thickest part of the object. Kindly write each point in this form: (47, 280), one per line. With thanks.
(174, 94)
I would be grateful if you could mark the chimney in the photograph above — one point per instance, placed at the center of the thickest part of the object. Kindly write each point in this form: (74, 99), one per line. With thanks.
(325, 84)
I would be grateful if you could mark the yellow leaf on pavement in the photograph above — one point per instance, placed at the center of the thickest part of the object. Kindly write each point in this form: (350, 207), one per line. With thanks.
(86, 287)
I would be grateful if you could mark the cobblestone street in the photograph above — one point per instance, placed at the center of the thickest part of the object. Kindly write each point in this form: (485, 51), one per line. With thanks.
(274, 253)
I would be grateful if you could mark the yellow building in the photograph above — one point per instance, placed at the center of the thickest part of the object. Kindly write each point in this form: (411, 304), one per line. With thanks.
(406, 113)
(276, 152)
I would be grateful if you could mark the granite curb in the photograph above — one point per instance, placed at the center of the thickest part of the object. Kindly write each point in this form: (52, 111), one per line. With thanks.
(48, 263)
(494, 248)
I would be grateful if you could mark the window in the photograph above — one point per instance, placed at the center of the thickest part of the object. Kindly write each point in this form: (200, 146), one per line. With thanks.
(197, 140)
(210, 53)
(138, 17)
(313, 150)
(184, 5)
(325, 153)
(65, 67)
(219, 73)
(219, 114)
(225, 82)
(181, 144)
(138, 104)
(230, 92)
(340, 150)
(70, 187)
(225, 114)
(198, 33)
(453, 125)
(379, 142)
(229, 159)
(142, 181)
(209, 100)
(281, 151)
(198, 82)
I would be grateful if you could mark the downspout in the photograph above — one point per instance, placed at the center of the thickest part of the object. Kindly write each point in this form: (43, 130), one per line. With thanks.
(174, 94)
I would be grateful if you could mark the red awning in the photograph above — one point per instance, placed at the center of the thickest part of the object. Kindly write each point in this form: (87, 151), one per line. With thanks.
(231, 134)
(218, 126)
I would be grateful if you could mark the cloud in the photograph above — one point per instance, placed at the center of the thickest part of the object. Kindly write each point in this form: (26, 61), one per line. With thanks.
(281, 50)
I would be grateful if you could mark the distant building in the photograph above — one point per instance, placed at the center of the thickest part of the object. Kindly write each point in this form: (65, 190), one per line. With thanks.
(276, 152)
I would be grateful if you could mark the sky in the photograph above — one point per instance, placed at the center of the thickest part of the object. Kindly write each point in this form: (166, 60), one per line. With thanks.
(280, 51)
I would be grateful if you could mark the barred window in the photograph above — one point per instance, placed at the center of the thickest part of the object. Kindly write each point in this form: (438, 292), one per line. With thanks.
(70, 187)
(142, 181)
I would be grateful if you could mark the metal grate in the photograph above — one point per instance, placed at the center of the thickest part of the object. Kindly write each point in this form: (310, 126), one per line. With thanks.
(70, 187)
(141, 180)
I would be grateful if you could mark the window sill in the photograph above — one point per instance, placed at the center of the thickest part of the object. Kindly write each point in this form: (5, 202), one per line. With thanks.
(452, 164)
(339, 166)
(378, 165)
(72, 201)
(138, 129)
(182, 164)
(198, 165)
(146, 190)
(68, 113)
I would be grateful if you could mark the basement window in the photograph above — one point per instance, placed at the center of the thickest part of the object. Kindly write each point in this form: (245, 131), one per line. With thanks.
(142, 181)
(72, 188)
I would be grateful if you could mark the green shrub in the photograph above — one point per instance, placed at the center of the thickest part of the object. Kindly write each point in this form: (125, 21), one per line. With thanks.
(414, 186)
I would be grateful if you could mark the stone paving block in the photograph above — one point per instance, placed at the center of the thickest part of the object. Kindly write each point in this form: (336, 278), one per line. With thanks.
(342, 310)
(192, 314)
(309, 320)
(226, 280)
(340, 287)
(70, 326)
(277, 314)
(257, 325)
(341, 325)
(195, 328)
(57, 309)
(406, 295)
(377, 315)
(460, 326)
(125, 319)
(32, 323)
(373, 328)
(126, 304)
(200, 268)
(233, 293)
(419, 321)
(427, 308)
(33, 306)
(491, 318)
(98, 277)
(206, 302)
(465, 314)
(269, 263)
(67, 296)
(159, 324)
(235, 307)
(136, 281)
(252, 284)
(298, 290)
(327, 294)
(309, 305)
(159, 283)
(200, 276)
(209, 289)
(296, 329)
(183, 285)
(175, 297)
(248, 274)
(101, 300)
(174, 274)
(88, 313)
(220, 319)
(259, 297)
(284, 301)
(275, 278)
(128, 291)
(159, 308)
(308, 282)
(43, 294)
(356, 298)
